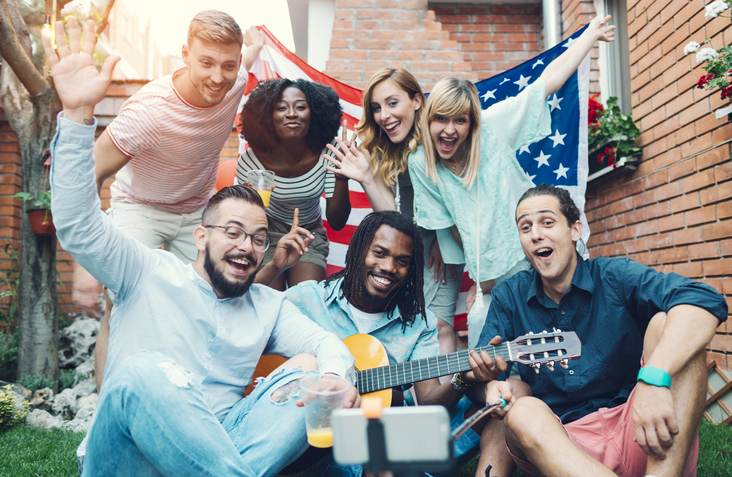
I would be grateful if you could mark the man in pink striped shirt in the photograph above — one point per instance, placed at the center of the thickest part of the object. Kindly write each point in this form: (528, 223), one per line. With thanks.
(164, 146)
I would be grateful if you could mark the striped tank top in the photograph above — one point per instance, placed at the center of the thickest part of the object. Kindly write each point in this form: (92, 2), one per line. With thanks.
(302, 192)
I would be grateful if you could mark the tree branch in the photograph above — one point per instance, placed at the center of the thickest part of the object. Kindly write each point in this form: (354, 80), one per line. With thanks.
(105, 17)
(14, 54)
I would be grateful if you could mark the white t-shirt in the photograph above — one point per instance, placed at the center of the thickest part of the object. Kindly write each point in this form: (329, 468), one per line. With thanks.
(365, 321)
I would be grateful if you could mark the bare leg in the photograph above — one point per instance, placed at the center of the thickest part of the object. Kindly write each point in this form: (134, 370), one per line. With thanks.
(688, 393)
(493, 450)
(535, 432)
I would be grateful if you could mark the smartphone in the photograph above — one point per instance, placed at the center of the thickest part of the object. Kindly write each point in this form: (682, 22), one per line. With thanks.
(412, 435)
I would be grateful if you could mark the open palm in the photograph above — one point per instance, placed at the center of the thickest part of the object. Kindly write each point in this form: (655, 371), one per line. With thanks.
(78, 81)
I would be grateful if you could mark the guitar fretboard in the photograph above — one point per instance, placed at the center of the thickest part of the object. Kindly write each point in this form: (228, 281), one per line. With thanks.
(375, 379)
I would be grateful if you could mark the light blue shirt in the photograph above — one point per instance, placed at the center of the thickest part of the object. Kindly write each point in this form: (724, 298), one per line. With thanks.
(492, 199)
(324, 303)
(164, 305)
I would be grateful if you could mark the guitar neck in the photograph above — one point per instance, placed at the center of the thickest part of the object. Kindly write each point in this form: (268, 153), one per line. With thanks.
(384, 377)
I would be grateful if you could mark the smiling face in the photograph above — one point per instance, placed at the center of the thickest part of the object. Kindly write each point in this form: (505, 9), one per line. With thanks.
(291, 115)
(393, 110)
(449, 133)
(211, 73)
(230, 265)
(548, 240)
(386, 267)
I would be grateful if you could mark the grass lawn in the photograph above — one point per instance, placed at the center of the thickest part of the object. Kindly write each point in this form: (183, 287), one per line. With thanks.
(30, 452)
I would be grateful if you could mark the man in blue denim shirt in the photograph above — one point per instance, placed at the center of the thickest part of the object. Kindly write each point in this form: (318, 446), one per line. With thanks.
(603, 415)
(186, 337)
(379, 294)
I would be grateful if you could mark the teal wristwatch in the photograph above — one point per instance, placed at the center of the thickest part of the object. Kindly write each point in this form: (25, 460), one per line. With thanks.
(654, 376)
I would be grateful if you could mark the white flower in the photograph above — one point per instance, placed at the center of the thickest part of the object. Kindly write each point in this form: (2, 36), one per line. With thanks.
(715, 8)
(691, 47)
(706, 54)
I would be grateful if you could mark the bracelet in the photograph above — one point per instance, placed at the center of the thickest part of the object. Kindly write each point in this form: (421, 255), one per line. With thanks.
(654, 376)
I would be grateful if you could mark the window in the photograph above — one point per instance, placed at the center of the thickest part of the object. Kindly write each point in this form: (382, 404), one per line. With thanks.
(614, 63)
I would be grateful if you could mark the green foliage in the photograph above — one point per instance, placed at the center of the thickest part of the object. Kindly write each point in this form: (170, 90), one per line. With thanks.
(34, 382)
(719, 68)
(9, 290)
(11, 413)
(614, 128)
(29, 452)
(66, 379)
(8, 356)
(41, 200)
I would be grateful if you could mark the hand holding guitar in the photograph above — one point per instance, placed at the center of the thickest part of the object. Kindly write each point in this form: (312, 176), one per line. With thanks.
(483, 367)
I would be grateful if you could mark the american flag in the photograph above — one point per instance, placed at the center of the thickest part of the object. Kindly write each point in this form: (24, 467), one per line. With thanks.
(559, 159)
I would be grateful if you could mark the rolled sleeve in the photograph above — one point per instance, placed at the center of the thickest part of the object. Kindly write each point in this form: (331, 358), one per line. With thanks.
(430, 210)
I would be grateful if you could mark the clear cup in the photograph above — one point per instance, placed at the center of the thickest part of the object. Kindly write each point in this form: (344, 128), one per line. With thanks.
(322, 395)
(261, 180)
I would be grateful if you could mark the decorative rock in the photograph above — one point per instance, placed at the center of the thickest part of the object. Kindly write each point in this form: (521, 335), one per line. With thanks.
(41, 418)
(64, 404)
(77, 342)
(85, 388)
(85, 370)
(18, 389)
(87, 406)
(42, 398)
(76, 425)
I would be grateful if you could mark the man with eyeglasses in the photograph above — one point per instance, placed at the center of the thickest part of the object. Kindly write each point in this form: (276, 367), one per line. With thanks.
(185, 337)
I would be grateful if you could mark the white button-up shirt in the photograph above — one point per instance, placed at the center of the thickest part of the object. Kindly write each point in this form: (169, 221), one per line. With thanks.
(164, 305)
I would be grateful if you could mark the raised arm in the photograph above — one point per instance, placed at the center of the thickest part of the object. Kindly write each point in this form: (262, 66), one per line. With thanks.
(254, 41)
(109, 159)
(559, 70)
(82, 228)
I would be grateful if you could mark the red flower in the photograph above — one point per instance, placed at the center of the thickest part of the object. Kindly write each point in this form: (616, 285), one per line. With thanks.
(595, 109)
(610, 152)
(704, 79)
(727, 92)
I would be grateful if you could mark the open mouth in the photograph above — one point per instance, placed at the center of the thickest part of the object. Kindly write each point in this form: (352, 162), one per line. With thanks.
(239, 265)
(447, 145)
(544, 252)
(381, 282)
(392, 128)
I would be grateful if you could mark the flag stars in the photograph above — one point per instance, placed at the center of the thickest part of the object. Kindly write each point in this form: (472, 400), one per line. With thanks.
(522, 82)
(557, 138)
(561, 171)
(554, 103)
(524, 148)
(538, 62)
(542, 159)
(489, 94)
(504, 80)
(568, 42)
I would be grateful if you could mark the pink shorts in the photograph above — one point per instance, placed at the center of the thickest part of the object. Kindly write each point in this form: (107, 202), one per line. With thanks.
(607, 436)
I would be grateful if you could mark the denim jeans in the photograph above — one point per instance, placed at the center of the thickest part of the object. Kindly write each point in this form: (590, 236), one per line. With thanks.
(152, 421)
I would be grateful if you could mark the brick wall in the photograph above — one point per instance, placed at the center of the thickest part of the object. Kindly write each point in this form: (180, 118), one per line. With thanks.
(493, 38)
(674, 213)
(372, 34)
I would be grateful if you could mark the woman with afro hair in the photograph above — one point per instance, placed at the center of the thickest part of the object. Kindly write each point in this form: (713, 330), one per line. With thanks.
(286, 125)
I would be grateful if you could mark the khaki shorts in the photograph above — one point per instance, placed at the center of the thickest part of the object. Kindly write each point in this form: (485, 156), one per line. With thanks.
(317, 250)
(158, 228)
(440, 298)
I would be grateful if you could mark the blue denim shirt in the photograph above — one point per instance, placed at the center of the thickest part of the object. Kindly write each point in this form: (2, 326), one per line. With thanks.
(164, 305)
(609, 306)
(324, 303)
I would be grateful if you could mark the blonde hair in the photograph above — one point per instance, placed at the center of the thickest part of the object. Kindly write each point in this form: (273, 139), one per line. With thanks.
(216, 27)
(452, 97)
(388, 158)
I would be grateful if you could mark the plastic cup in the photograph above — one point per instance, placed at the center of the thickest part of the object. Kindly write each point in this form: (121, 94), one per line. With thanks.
(263, 181)
(322, 395)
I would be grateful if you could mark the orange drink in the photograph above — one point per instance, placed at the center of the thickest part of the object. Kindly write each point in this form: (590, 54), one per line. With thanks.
(322, 437)
(265, 194)
(261, 180)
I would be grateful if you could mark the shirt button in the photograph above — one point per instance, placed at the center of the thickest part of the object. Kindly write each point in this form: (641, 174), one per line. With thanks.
(563, 312)
(571, 371)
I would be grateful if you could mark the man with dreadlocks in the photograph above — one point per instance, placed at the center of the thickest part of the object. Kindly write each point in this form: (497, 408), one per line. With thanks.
(379, 293)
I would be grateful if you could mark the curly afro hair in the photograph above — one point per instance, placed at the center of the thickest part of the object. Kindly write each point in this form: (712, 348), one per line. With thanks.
(325, 113)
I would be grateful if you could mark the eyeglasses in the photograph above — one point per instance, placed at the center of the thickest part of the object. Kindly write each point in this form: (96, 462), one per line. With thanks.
(236, 234)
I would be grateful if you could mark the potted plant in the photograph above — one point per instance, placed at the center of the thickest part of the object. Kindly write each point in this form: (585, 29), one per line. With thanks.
(38, 208)
(612, 136)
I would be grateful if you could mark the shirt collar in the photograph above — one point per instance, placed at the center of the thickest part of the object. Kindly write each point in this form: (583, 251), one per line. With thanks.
(581, 279)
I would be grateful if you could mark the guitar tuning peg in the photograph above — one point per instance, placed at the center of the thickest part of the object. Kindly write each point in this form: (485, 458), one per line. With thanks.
(536, 367)
(550, 366)
(564, 363)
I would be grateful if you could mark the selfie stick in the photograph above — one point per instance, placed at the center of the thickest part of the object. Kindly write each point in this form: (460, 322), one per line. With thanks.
(378, 460)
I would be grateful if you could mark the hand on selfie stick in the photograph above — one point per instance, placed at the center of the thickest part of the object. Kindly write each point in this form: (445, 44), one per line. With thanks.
(495, 391)
(292, 245)
(80, 85)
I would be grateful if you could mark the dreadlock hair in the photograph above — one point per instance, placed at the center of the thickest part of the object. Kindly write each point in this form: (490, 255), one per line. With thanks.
(566, 205)
(245, 193)
(409, 298)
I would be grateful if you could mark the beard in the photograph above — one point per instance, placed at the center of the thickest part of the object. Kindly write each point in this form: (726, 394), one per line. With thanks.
(223, 287)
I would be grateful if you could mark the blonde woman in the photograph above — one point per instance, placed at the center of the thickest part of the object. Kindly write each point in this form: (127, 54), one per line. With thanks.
(465, 174)
(387, 133)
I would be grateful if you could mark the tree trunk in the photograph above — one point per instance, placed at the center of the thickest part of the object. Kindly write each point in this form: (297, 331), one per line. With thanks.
(37, 300)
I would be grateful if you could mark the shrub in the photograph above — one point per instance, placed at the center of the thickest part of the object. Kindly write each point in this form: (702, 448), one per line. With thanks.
(12, 412)
(34, 382)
